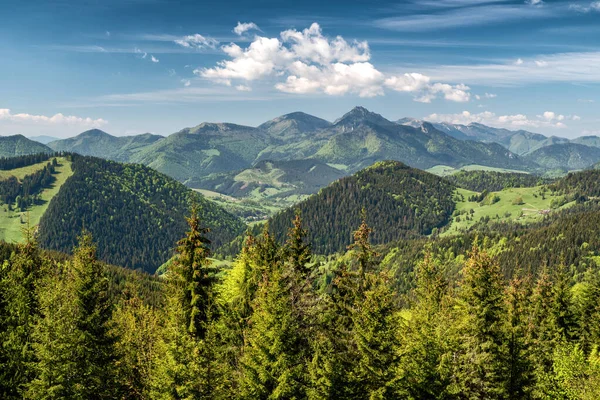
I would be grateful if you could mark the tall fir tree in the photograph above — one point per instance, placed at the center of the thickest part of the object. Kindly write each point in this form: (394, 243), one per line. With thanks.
(19, 310)
(426, 367)
(187, 365)
(482, 369)
(74, 342)
(277, 350)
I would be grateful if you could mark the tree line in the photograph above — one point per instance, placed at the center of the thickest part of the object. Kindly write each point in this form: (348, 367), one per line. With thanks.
(24, 192)
(279, 324)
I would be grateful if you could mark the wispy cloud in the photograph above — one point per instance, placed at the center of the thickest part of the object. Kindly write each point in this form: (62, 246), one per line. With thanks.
(574, 67)
(58, 119)
(585, 8)
(197, 41)
(464, 17)
(548, 119)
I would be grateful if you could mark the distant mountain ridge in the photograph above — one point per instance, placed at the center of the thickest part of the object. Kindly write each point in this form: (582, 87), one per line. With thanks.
(19, 145)
(352, 142)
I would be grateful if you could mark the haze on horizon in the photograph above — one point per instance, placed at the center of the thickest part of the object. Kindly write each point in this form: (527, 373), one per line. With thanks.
(130, 67)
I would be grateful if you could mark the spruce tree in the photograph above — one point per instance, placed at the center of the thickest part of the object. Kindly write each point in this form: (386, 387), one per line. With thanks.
(277, 350)
(19, 310)
(588, 313)
(186, 365)
(74, 343)
(426, 349)
(482, 370)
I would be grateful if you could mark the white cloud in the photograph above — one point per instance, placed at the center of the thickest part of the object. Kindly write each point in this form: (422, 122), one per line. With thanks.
(534, 2)
(308, 62)
(585, 100)
(541, 63)
(517, 121)
(57, 119)
(186, 82)
(154, 59)
(519, 61)
(243, 27)
(243, 88)
(197, 41)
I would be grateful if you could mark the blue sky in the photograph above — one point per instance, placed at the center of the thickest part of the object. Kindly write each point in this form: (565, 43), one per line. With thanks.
(134, 66)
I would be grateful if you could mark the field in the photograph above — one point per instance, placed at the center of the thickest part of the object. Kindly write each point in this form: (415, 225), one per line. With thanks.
(533, 205)
(11, 222)
(445, 170)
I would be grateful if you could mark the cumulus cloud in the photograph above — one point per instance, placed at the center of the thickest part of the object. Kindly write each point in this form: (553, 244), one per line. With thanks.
(309, 62)
(57, 119)
(243, 88)
(519, 61)
(186, 82)
(548, 119)
(154, 59)
(243, 27)
(534, 2)
(197, 41)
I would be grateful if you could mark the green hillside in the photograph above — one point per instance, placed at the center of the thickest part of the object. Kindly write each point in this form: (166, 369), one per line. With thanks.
(98, 143)
(568, 156)
(13, 219)
(135, 213)
(19, 145)
(402, 202)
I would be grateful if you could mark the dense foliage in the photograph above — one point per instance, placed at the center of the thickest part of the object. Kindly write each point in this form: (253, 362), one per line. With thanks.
(24, 191)
(19, 145)
(134, 212)
(402, 202)
(7, 163)
(478, 181)
(280, 324)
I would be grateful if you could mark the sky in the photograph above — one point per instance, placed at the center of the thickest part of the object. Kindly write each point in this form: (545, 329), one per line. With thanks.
(135, 66)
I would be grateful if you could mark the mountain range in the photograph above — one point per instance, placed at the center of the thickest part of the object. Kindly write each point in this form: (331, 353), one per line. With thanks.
(283, 154)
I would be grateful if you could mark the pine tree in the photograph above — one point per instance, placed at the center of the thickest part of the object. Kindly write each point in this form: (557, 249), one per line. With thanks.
(425, 365)
(186, 365)
(73, 340)
(588, 313)
(138, 326)
(482, 370)
(195, 274)
(520, 373)
(277, 350)
(19, 310)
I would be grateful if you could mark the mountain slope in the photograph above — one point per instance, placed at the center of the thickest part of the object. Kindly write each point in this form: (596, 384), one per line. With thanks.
(98, 143)
(205, 149)
(19, 145)
(360, 138)
(293, 126)
(569, 156)
(135, 214)
(43, 139)
(400, 201)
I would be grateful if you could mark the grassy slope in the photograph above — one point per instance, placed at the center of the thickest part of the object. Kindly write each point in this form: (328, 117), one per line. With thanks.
(524, 213)
(10, 221)
(444, 170)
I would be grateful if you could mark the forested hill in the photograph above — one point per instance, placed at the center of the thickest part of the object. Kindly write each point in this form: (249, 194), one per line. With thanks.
(401, 202)
(492, 181)
(19, 145)
(135, 214)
